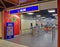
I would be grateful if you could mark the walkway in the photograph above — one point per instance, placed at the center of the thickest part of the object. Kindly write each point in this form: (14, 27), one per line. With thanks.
(42, 40)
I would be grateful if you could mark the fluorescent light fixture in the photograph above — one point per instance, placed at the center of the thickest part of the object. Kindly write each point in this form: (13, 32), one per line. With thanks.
(51, 11)
(54, 14)
(30, 13)
(38, 15)
(42, 17)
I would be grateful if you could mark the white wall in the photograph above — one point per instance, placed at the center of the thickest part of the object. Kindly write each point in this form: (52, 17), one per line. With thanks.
(25, 24)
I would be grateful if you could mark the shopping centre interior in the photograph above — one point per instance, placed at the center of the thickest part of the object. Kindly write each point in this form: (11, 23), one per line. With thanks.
(34, 24)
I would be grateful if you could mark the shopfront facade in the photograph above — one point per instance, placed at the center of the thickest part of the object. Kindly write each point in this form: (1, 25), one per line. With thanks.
(21, 18)
(15, 15)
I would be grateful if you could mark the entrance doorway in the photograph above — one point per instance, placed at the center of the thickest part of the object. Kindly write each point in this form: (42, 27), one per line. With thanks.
(39, 29)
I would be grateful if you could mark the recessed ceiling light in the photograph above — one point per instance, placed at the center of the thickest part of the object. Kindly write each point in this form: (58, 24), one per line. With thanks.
(51, 11)
(30, 13)
(54, 14)
(42, 17)
(38, 15)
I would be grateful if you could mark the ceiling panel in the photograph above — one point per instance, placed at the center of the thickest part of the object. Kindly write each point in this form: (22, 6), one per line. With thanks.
(13, 1)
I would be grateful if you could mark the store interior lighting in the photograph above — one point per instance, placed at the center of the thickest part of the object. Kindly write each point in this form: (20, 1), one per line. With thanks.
(54, 14)
(42, 17)
(30, 13)
(51, 11)
(38, 15)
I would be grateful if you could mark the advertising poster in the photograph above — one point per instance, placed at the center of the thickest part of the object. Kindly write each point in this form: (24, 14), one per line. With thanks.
(9, 30)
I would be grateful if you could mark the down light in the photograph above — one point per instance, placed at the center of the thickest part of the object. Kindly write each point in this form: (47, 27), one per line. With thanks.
(30, 13)
(38, 15)
(42, 17)
(54, 14)
(51, 11)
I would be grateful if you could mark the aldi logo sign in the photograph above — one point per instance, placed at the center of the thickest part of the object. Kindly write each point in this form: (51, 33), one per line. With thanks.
(25, 9)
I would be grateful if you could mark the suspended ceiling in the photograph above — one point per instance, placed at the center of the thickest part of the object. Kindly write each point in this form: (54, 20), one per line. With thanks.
(11, 3)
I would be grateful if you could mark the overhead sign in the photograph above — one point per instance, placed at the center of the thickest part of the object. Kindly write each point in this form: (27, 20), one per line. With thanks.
(14, 11)
(9, 30)
(25, 9)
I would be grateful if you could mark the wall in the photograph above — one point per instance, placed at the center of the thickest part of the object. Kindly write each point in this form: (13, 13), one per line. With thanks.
(0, 24)
(25, 23)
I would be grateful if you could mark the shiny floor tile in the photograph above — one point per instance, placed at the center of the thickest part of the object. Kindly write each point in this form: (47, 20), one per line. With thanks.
(43, 39)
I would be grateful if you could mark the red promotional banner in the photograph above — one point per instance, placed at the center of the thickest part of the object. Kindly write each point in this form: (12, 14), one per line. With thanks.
(7, 17)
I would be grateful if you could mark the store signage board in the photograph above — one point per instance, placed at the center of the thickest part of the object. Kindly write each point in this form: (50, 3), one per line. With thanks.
(9, 30)
(25, 9)
(14, 11)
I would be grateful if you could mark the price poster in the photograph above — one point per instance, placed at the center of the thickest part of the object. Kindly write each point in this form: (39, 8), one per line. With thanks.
(9, 30)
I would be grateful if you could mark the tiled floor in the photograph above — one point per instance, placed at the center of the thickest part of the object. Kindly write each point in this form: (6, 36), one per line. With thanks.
(4, 43)
(43, 39)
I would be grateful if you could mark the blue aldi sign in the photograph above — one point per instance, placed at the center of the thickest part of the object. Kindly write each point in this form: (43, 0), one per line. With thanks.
(25, 9)
(9, 30)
